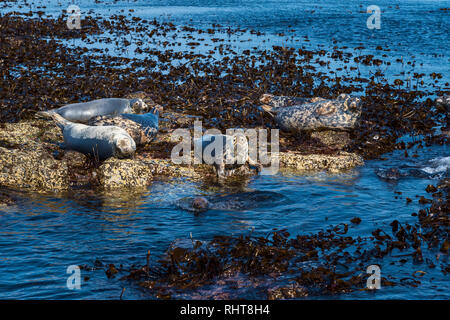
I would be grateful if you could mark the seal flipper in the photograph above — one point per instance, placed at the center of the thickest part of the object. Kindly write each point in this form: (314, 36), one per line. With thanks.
(44, 114)
(59, 120)
(267, 108)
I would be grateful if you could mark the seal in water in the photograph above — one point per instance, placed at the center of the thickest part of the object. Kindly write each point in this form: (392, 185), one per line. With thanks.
(232, 202)
(296, 114)
(235, 157)
(99, 142)
(141, 127)
(444, 101)
(82, 112)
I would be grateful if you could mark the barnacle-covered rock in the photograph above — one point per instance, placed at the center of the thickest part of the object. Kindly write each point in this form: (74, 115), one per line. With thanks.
(32, 168)
(74, 159)
(13, 135)
(341, 161)
(31, 158)
(139, 173)
(115, 173)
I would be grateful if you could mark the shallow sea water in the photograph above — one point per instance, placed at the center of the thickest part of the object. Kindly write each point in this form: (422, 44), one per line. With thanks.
(43, 234)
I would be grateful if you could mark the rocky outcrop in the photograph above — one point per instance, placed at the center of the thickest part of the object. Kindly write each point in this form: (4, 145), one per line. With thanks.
(31, 158)
(32, 168)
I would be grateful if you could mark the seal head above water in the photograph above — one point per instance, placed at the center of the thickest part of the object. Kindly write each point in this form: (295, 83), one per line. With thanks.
(98, 142)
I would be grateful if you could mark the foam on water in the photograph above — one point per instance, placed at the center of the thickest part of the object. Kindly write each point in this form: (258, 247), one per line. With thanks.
(437, 165)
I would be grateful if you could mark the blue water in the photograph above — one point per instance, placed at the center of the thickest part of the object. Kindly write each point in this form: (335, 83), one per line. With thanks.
(43, 234)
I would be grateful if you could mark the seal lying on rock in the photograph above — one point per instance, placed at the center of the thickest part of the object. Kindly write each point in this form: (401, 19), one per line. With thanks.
(296, 114)
(99, 142)
(235, 158)
(141, 127)
(82, 112)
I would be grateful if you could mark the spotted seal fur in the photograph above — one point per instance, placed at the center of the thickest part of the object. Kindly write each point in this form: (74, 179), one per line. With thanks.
(83, 111)
(141, 127)
(235, 158)
(99, 142)
(296, 114)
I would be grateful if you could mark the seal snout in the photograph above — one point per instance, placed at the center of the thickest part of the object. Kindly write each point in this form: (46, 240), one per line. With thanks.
(139, 106)
(200, 203)
(125, 147)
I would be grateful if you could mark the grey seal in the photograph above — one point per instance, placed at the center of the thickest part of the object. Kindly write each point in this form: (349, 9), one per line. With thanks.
(141, 127)
(297, 114)
(99, 142)
(234, 159)
(83, 111)
(444, 101)
(232, 202)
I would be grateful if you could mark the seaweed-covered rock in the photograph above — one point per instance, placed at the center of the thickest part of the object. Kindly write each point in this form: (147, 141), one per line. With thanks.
(74, 159)
(332, 139)
(288, 292)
